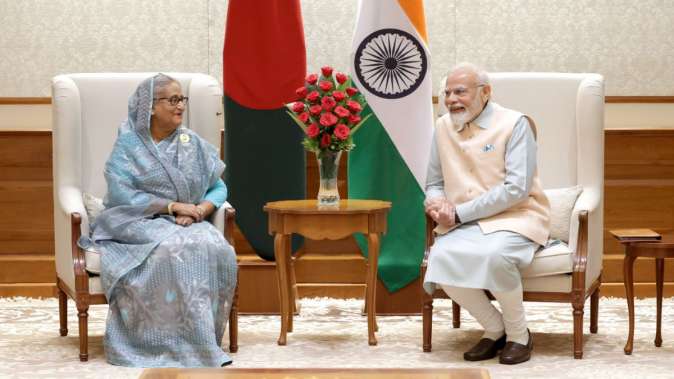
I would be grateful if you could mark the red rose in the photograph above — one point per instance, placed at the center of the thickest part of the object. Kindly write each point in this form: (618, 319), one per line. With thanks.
(328, 119)
(342, 131)
(351, 91)
(315, 109)
(328, 102)
(341, 111)
(325, 140)
(304, 117)
(298, 107)
(311, 79)
(353, 106)
(354, 119)
(313, 130)
(313, 96)
(338, 95)
(301, 92)
(341, 78)
(325, 86)
(326, 71)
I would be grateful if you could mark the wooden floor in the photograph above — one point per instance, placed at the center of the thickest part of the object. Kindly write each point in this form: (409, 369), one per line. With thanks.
(639, 183)
(290, 373)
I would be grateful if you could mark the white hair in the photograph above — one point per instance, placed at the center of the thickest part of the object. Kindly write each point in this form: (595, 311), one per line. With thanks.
(482, 75)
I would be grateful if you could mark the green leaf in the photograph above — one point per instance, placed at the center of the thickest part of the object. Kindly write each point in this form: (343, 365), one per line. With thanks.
(297, 121)
(355, 128)
(342, 87)
(310, 144)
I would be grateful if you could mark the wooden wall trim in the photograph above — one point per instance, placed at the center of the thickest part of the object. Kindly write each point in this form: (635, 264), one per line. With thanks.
(24, 100)
(25, 133)
(646, 132)
(639, 165)
(608, 99)
(639, 99)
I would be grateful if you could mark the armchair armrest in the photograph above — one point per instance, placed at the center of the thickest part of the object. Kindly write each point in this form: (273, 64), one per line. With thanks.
(586, 257)
(588, 201)
(70, 221)
(223, 220)
(70, 201)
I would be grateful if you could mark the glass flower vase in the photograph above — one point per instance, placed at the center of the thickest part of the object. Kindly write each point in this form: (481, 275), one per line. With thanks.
(328, 169)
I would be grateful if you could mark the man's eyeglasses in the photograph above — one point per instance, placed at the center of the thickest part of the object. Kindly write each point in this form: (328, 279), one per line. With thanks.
(174, 100)
(460, 91)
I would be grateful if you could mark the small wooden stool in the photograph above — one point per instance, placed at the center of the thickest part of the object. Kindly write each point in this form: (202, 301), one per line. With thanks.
(644, 245)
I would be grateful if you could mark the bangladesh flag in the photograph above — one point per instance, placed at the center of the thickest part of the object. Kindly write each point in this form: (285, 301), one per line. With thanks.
(264, 62)
(390, 66)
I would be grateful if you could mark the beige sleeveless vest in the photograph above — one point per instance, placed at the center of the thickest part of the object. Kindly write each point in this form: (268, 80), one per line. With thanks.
(473, 161)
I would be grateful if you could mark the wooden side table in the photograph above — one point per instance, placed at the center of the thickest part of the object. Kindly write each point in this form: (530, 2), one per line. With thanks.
(306, 218)
(658, 249)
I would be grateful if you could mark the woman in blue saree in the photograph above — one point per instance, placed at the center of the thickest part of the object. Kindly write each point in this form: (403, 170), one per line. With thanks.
(168, 275)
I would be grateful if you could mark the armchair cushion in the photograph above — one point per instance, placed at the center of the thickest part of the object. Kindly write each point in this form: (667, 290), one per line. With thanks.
(562, 201)
(92, 258)
(95, 285)
(552, 283)
(93, 205)
(554, 259)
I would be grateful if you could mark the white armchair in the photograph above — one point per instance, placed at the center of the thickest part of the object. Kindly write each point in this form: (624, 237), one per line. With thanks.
(87, 112)
(569, 113)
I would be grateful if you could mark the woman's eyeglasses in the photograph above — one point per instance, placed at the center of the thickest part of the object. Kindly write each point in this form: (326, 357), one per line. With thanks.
(174, 100)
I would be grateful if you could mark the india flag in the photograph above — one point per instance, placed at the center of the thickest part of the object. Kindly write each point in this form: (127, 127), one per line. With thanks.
(391, 67)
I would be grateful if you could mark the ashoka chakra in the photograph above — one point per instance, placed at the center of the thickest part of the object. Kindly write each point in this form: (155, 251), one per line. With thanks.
(390, 63)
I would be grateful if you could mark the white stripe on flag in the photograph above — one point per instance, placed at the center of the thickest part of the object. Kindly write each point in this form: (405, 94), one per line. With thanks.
(408, 120)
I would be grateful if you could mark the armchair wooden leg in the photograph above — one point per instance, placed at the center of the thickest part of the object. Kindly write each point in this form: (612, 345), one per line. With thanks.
(456, 315)
(83, 316)
(63, 313)
(427, 320)
(578, 329)
(594, 311)
(234, 323)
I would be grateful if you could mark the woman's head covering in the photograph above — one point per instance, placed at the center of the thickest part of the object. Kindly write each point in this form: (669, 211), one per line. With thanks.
(141, 101)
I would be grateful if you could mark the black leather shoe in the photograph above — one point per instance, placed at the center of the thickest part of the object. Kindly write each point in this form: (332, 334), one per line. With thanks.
(514, 353)
(485, 349)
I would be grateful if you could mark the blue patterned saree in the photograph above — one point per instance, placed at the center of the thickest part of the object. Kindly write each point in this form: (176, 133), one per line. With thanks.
(169, 287)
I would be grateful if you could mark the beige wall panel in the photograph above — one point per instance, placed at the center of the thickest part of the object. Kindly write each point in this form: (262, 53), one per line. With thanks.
(637, 116)
(629, 42)
(25, 117)
(42, 38)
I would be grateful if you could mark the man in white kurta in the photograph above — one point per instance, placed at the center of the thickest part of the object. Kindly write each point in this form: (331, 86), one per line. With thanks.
(484, 193)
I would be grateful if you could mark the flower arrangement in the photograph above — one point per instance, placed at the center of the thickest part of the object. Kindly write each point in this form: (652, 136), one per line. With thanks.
(328, 111)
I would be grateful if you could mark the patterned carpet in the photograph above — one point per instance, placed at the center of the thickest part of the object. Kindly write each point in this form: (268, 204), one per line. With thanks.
(332, 333)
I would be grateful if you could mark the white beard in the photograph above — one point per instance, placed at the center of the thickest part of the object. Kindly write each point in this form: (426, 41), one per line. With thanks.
(460, 119)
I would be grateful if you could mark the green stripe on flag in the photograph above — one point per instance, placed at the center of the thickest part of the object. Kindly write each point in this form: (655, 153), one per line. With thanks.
(402, 248)
(265, 162)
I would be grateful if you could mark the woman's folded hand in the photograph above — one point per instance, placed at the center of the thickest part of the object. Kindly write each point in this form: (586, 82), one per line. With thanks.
(184, 209)
(184, 220)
